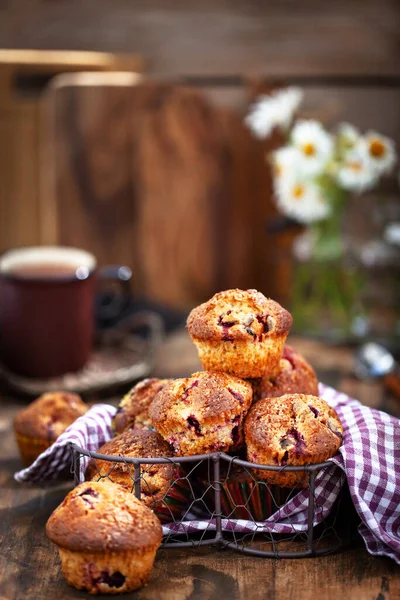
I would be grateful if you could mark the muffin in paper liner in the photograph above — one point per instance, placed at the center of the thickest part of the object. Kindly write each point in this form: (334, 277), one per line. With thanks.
(243, 494)
(107, 539)
(240, 332)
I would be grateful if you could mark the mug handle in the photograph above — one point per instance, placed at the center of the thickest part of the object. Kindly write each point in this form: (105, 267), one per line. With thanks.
(112, 306)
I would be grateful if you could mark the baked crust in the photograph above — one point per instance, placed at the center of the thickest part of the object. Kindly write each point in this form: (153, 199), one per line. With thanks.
(240, 332)
(99, 517)
(133, 408)
(294, 429)
(241, 315)
(49, 416)
(296, 376)
(202, 413)
(138, 443)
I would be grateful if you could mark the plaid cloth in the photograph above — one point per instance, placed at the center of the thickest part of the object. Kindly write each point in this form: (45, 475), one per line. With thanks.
(368, 458)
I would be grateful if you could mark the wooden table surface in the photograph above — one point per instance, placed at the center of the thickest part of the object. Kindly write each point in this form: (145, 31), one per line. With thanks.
(29, 564)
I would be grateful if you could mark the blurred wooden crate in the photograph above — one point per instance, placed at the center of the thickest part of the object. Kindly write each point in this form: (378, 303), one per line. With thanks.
(23, 75)
(154, 176)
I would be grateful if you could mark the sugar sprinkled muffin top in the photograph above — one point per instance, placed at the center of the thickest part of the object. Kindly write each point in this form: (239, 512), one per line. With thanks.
(136, 402)
(49, 416)
(136, 443)
(293, 425)
(97, 517)
(238, 315)
(208, 395)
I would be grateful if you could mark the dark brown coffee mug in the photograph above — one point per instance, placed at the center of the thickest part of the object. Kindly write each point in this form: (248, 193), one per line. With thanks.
(47, 298)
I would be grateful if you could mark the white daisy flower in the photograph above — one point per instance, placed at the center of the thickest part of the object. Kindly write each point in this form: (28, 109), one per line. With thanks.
(285, 162)
(273, 110)
(379, 150)
(355, 172)
(314, 144)
(301, 199)
(348, 137)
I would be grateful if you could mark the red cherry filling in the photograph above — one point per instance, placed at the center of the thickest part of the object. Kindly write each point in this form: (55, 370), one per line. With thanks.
(194, 424)
(332, 428)
(297, 441)
(263, 319)
(226, 325)
(195, 383)
(115, 579)
(88, 492)
(236, 395)
(235, 431)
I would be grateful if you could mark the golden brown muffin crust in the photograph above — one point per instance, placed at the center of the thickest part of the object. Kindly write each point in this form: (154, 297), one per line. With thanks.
(294, 426)
(296, 376)
(138, 443)
(238, 315)
(135, 404)
(210, 395)
(97, 517)
(49, 416)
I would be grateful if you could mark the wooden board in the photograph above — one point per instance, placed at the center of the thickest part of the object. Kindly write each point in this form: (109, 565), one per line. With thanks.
(156, 177)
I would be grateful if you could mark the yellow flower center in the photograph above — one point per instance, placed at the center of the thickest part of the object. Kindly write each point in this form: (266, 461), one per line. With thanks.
(377, 149)
(298, 191)
(355, 166)
(309, 149)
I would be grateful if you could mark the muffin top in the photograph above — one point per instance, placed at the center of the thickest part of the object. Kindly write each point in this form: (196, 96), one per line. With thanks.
(296, 375)
(293, 426)
(49, 416)
(98, 517)
(136, 403)
(238, 315)
(136, 443)
(207, 395)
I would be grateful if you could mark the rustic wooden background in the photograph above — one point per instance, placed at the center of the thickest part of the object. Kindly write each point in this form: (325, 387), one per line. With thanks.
(145, 171)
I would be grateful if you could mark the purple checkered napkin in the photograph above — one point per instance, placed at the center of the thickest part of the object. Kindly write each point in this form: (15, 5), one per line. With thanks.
(368, 458)
(89, 431)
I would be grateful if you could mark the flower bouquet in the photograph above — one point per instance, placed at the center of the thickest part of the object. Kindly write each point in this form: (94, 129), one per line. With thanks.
(313, 175)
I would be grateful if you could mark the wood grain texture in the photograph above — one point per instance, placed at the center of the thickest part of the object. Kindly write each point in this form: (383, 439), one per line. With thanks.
(22, 76)
(156, 177)
(219, 37)
(30, 567)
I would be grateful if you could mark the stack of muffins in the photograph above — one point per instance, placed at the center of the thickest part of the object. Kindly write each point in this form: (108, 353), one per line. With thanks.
(256, 399)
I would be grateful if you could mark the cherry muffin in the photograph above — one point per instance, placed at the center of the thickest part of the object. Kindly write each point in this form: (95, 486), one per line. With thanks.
(202, 413)
(243, 495)
(163, 486)
(295, 429)
(240, 332)
(296, 376)
(107, 539)
(133, 408)
(38, 425)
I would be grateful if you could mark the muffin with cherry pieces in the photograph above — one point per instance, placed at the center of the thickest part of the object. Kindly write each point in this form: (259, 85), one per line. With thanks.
(202, 413)
(240, 332)
(133, 408)
(37, 426)
(163, 487)
(295, 430)
(296, 376)
(107, 538)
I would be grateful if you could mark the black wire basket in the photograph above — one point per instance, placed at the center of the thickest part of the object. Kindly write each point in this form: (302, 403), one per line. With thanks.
(221, 500)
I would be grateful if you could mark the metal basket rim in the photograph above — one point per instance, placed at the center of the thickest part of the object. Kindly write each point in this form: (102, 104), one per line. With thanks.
(199, 457)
